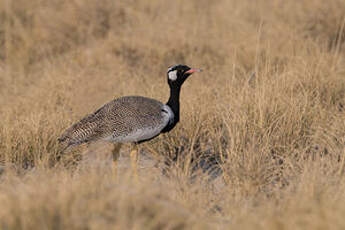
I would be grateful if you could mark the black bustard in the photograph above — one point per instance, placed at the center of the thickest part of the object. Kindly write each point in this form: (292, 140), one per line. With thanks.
(132, 119)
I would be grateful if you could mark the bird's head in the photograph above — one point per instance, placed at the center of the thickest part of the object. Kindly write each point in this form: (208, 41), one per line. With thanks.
(177, 74)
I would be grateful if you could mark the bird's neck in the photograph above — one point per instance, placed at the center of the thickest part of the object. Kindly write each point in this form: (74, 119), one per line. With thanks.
(174, 102)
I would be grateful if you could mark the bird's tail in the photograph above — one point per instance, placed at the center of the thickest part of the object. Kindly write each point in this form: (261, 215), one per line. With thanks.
(65, 143)
(80, 132)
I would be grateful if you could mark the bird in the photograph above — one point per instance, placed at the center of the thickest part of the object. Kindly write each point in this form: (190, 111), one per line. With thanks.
(130, 119)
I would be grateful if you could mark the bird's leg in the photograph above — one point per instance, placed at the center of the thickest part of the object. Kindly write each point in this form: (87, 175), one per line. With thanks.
(134, 161)
(116, 154)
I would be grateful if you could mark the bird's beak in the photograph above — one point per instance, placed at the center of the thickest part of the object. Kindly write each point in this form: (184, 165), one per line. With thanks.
(193, 70)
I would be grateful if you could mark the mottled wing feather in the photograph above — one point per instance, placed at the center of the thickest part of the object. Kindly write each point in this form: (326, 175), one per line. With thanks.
(117, 120)
(85, 129)
(132, 114)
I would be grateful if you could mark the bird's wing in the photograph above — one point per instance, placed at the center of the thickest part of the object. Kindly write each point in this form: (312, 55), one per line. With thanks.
(83, 130)
(126, 119)
(136, 119)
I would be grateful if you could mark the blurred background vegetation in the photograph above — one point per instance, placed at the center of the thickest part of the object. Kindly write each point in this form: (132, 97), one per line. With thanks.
(261, 141)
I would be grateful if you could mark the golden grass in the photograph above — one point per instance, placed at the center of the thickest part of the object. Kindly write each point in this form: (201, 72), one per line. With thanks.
(277, 137)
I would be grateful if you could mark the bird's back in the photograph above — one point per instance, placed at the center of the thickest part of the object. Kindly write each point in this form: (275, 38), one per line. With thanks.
(126, 119)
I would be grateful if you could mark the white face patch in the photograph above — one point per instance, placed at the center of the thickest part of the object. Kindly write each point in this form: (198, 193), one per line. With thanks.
(172, 75)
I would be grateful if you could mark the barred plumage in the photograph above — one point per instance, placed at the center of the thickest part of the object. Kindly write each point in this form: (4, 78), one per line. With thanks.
(120, 120)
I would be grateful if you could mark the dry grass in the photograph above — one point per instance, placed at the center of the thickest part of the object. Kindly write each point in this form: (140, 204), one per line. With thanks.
(277, 137)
